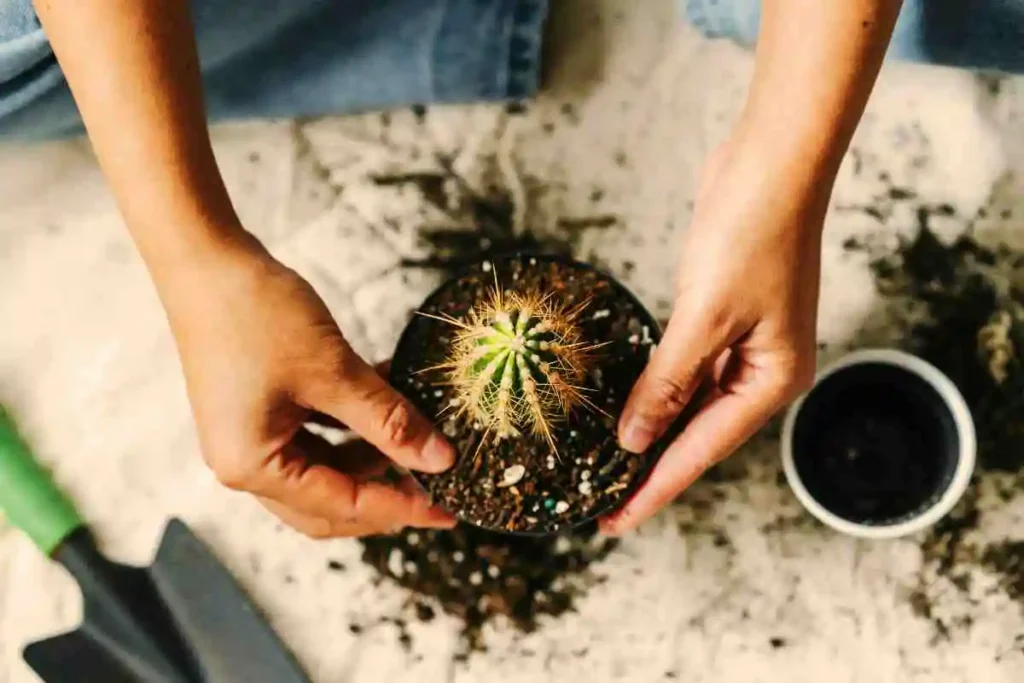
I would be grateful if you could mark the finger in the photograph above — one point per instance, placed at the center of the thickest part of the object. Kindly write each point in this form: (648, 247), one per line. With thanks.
(319, 528)
(318, 490)
(362, 399)
(382, 368)
(671, 377)
(356, 458)
(315, 527)
(721, 427)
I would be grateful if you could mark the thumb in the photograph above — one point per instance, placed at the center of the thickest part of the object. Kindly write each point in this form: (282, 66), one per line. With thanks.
(668, 383)
(361, 399)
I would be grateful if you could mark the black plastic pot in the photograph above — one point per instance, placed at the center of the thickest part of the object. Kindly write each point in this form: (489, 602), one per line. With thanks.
(633, 334)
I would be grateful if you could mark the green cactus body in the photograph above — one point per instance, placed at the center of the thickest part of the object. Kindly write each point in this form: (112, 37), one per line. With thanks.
(516, 365)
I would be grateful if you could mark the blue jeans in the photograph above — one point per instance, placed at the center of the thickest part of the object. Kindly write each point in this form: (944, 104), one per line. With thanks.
(286, 58)
(986, 35)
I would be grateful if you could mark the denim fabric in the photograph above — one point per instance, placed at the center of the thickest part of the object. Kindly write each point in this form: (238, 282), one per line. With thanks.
(285, 58)
(974, 34)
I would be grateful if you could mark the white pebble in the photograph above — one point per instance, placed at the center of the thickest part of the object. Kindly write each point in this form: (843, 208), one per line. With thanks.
(585, 475)
(573, 433)
(486, 267)
(476, 578)
(410, 567)
(438, 394)
(512, 475)
(395, 563)
(562, 545)
(533, 261)
(413, 538)
(493, 571)
(458, 556)
(585, 487)
(560, 507)
(603, 313)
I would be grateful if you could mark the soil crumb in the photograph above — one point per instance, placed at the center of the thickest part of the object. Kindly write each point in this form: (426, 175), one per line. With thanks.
(477, 576)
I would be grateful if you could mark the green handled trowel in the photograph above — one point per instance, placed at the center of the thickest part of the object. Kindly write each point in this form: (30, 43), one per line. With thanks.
(181, 620)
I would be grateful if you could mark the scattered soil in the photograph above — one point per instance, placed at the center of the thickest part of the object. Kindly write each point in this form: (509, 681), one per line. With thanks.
(589, 474)
(476, 575)
(973, 298)
(484, 221)
(968, 300)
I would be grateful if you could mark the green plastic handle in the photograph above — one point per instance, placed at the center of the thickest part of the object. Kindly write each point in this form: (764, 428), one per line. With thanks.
(28, 496)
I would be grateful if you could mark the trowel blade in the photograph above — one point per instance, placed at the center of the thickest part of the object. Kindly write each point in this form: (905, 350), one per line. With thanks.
(231, 640)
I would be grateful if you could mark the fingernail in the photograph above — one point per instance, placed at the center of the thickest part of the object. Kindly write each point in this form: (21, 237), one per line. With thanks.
(637, 436)
(437, 453)
(439, 518)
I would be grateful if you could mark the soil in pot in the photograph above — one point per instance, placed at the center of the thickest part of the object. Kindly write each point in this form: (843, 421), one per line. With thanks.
(557, 462)
(875, 444)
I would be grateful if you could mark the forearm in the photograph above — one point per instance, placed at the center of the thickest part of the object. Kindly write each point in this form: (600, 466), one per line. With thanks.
(815, 67)
(133, 69)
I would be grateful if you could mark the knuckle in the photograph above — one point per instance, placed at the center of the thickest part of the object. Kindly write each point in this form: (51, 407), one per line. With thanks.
(717, 317)
(668, 395)
(711, 315)
(794, 379)
(234, 473)
(344, 363)
(397, 424)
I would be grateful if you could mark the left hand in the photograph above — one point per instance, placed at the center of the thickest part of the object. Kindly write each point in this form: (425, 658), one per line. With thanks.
(744, 319)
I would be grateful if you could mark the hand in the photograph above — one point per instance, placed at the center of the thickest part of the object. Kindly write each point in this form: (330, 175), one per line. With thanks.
(743, 323)
(262, 356)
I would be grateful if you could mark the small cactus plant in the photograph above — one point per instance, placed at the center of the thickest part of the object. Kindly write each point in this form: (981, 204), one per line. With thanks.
(517, 363)
(517, 360)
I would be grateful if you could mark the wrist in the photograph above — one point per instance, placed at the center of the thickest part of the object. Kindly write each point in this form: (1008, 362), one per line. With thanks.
(797, 171)
(199, 257)
(806, 151)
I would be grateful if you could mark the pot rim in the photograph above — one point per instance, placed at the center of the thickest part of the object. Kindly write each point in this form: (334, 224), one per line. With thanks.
(653, 454)
(966, 456)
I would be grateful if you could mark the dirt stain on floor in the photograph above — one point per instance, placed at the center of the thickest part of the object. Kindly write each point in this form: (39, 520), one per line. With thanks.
(967, 300)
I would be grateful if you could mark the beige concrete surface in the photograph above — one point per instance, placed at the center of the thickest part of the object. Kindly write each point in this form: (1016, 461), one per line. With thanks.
(637, 101)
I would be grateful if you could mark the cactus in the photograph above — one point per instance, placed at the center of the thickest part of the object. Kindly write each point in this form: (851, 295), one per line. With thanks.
(517, 363)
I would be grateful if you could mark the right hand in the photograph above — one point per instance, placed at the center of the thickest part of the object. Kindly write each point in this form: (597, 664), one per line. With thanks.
(262, 356)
